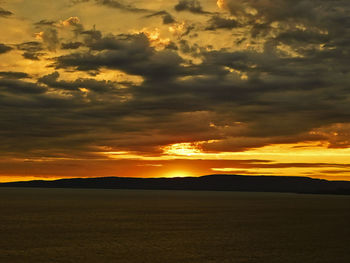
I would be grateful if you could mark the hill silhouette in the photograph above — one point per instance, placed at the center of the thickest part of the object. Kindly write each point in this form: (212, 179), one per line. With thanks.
(216, 182)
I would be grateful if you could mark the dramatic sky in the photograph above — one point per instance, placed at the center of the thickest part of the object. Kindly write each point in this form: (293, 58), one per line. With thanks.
(169, 88)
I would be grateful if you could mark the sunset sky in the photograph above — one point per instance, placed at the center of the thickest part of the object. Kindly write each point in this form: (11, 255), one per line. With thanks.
(166, 88)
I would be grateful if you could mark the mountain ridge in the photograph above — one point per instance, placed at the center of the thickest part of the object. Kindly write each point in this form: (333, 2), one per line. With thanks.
(214, 182)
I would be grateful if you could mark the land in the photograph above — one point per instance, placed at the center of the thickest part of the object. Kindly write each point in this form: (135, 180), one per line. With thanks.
(111, 225)
(217, 182)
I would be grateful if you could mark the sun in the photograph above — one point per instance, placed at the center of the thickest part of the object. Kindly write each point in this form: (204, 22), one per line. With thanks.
(174, 174)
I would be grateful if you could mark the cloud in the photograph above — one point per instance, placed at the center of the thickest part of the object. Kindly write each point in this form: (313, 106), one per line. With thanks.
(273, 74)
(49, 38)
(193, 6)
(304, 11)
(13, 75)
(218, 22)
(32, 56)
(132, 54)
(32, 50)
(267, 91)
(122, 6)
(221, 4)
(271, 165)
(20, 87)
(52, 30)
(4, 48)
(45, 23)
(336, 135)
(115, 4)
(72, 21)
(167, 17)
(80, 85)
(5, 13)
(71, 45)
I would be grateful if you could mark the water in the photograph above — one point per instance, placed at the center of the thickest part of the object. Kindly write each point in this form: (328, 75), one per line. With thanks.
(66, 225)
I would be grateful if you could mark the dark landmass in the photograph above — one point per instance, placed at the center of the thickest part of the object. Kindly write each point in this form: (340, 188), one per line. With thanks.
(218, 182)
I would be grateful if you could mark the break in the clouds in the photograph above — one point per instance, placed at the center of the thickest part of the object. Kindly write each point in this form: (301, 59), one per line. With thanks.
(136, 77)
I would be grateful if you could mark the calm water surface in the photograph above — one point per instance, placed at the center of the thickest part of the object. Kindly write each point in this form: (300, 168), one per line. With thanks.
(61, 225)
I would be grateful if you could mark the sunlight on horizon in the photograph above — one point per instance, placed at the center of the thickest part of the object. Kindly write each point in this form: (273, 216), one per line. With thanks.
(177, 174)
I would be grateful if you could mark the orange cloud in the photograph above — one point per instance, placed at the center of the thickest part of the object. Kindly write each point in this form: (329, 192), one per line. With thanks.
(221, 4)
(72, 21)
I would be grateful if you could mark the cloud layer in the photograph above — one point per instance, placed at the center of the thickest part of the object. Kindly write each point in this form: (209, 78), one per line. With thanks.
(243, 76)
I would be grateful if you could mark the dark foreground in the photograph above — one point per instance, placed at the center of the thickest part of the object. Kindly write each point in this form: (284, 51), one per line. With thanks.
(65, 225)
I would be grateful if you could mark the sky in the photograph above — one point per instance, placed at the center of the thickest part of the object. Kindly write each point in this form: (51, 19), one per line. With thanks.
(173, 88)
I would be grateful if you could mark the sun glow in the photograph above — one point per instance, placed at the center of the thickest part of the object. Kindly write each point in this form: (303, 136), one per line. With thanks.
(154, 37)
(174, 174)
(221, 3)
(184, 149)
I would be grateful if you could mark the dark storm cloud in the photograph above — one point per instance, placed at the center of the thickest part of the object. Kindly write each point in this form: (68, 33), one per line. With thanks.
(4, 48)
(20, 87)
(193, 6)
(282, 95)
(32, 55)
(298, 36)
(13, 75)
(167, 17)
(157, 66)
(49, 30)
(114, 4)
(52, 81)
(91, 35)
(71, 45)
(5, 13)
(218, 22)
(120, 5)
(318, 13)
(278, 90)
(45, 123)
(32, 50)
(113, 52)
(278, 10)
(79, 1)
(50, 39)
(130, 53)
(187, 48)
(45, 23)
(295, 88)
